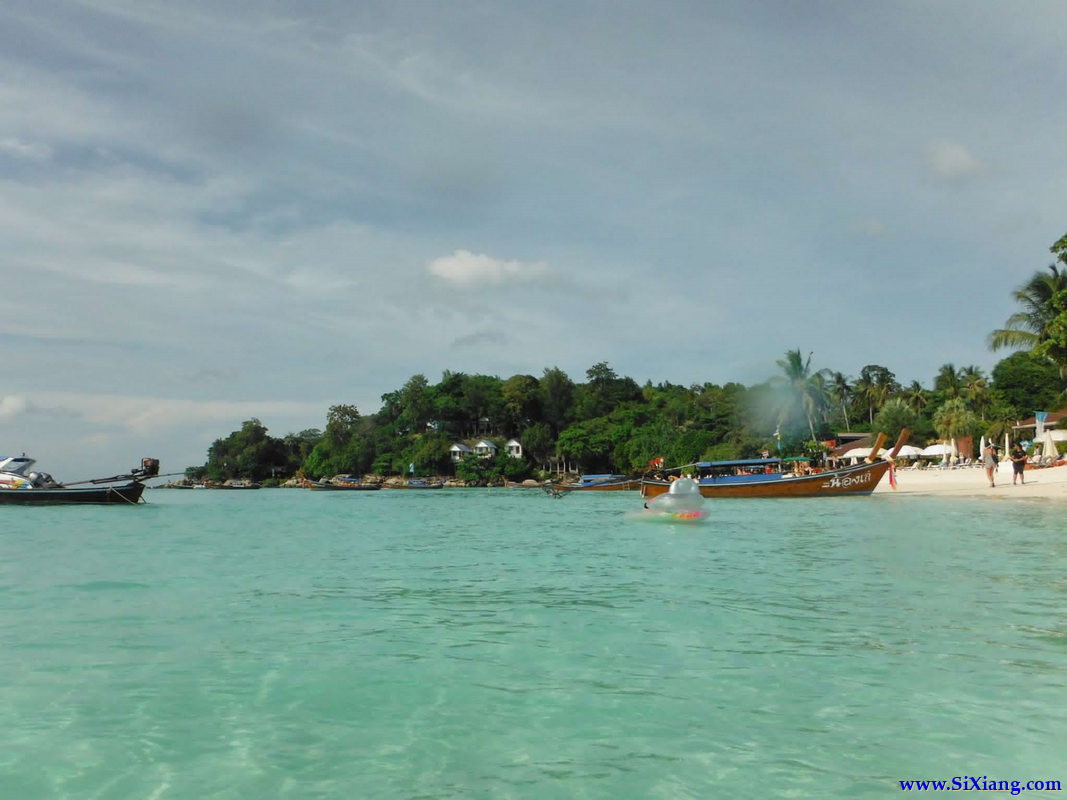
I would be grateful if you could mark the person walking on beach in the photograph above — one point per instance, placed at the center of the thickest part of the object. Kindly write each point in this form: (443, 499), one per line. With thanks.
(1018, 464)
(989, 461)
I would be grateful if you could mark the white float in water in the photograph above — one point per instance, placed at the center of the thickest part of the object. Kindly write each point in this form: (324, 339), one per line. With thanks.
(682, 502)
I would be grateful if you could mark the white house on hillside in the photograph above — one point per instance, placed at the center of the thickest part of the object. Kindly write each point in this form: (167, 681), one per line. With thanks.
(514, 448)
(459, 451)
(485, 449)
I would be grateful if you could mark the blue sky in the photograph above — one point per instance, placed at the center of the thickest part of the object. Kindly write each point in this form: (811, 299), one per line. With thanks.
(217, 209)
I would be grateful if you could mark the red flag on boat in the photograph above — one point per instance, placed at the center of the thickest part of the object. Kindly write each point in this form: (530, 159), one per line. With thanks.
(892, 476)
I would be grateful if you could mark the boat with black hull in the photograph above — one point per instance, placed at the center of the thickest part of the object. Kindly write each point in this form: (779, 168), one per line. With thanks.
(19, 485)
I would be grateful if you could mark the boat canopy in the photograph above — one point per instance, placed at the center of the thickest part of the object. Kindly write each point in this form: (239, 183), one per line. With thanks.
(17, 465)
(746, 462)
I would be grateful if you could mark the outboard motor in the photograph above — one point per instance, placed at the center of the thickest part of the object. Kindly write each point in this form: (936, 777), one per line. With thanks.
(149, 468)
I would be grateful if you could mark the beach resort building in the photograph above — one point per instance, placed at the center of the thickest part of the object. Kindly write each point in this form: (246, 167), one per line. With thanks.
(458, 452)
(1034, 428)
(485, 449)
(514, 448)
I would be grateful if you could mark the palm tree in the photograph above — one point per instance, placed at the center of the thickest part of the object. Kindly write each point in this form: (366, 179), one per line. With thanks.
(948, 381)
(808, 390)
(885, 386)
(842, 393)
(976, 388)
(953, 420)
(865, 391)
(1029, 327)
(916, 397)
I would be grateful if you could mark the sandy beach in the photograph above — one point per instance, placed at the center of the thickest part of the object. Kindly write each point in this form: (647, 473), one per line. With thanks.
(1050, 483)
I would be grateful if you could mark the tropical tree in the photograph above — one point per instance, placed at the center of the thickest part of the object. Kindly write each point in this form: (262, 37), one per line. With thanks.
(953, 420)
(557, 394)
(976, 389)
(841, 391)
(916, 397)
(807, 390)
(1030, 327)
(894, 417)
(1027, 384)
(864, 392)
(948, 381)
(1053, 346)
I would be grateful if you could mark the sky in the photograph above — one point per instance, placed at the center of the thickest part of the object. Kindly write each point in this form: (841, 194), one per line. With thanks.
(218, 209)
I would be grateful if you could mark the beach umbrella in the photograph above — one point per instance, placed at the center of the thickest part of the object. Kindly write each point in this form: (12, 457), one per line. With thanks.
(981, 447)
(862, 452)
(1048, 447)
(908, 451)
(935, 450)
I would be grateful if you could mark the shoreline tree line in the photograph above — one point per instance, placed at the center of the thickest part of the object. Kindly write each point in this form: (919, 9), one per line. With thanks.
(611, 423)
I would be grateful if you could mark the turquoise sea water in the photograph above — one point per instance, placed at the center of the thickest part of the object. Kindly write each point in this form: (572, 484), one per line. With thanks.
(503, 644)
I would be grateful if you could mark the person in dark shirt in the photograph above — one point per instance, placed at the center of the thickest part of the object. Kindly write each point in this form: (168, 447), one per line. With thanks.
(1018, 464)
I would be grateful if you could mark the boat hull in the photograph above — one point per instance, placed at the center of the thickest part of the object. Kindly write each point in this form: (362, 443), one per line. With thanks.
(125, 494)
(617, 486)
(413, 488)
(858, 480)
(333, 487)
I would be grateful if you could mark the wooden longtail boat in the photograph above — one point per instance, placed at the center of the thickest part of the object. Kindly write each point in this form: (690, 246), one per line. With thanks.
(858, 480)
(343, 484)
(599, 483)
(415, 484)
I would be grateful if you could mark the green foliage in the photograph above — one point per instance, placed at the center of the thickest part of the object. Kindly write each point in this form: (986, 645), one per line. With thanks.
(894, 417)
(1038, 325)
(484, 471)
(247, 453)
(1027, 384)
(953, 420)
(611, 424)
(1053, 343)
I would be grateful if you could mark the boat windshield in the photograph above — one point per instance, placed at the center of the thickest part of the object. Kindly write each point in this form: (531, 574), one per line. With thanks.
(17, 465)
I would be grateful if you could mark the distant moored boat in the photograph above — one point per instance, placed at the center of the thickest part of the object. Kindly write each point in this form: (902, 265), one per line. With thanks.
(20, 486)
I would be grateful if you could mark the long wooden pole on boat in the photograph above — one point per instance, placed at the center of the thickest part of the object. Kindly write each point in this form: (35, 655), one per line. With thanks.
(901, 441)
(874, 450)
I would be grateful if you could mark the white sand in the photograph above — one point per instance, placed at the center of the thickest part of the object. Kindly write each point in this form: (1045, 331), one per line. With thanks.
(971, 481)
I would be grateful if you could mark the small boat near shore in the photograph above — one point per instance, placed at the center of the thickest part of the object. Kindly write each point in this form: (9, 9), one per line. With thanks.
(597, 483)
(764, 478)
(238, 486)
(19, 485)
(414, 483)
(342, 483)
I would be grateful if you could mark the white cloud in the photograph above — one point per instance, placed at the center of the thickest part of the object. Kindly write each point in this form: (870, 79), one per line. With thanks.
(11, 406)
(32, 151)
(150, 414)
(952, 161)
(465, 267)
